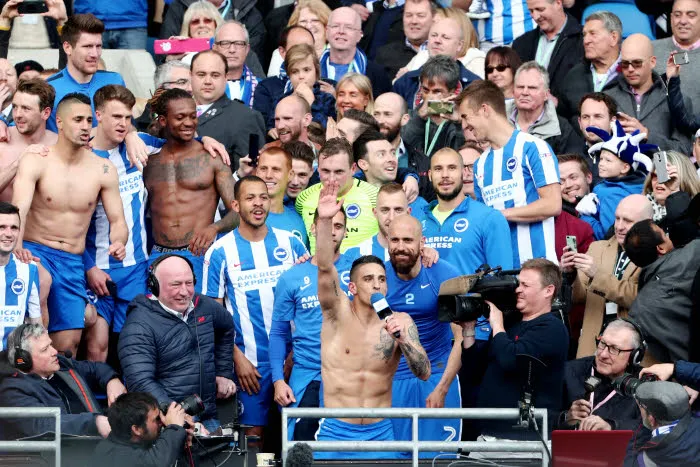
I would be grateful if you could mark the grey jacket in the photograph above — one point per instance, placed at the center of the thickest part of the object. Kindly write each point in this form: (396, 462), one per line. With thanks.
(555, 130)
(654, 113)
(664, 302)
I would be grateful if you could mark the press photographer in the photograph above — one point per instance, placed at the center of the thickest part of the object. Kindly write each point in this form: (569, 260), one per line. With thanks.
(142, 435)
(590, 401)
(539, 336)
(675, 430)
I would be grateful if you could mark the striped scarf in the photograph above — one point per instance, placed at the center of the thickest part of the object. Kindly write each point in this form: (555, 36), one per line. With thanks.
(245, 86)
(358, 64)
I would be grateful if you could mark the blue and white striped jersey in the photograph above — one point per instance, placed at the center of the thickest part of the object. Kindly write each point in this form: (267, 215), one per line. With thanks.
(371, 246)
(19, 296)
(509, 20)
(134, 196)
(245, 274)
(509, 177)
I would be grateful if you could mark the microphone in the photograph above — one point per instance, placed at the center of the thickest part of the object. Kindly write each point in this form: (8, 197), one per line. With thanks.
(381, 306)
(300, 455)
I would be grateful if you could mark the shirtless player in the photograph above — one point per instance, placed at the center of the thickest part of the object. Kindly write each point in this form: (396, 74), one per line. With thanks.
(56, 196)
(31, 108)
(184, 184)
(359, 353)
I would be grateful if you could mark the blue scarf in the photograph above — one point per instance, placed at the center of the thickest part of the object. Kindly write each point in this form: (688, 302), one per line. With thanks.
(358, 64)
(248, 82)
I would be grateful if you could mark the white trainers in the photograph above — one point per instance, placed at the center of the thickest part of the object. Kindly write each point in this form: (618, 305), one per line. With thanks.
(477, 10)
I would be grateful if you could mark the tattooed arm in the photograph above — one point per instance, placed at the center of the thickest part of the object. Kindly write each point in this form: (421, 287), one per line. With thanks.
(224, 186)
(409, 343)
(112, 203)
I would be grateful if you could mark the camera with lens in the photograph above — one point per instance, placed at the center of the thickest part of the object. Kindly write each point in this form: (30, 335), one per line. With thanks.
(464, 298)
(626, 385)
(192, 405)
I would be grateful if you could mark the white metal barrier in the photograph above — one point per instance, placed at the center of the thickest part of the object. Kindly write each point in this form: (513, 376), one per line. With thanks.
(33, 446)
(415, 446)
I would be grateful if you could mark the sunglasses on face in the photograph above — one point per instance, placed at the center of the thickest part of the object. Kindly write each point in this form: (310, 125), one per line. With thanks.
(198, 21)
(624, 64)
(499, 68)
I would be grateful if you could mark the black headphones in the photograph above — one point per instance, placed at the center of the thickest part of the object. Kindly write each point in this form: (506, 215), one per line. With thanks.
(23, 359)
(637, 354)
(152, 280)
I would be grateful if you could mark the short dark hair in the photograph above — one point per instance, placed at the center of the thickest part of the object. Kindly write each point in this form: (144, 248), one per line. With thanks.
(362, 117)
(114, 92)
(442, 68)
(130, 409)
(550, 274)
(336, 146)
(578, 158)
(641, 242)
(40, 88)
(359, 147)
(160, 105)
(301, 151)
(362, 260)
(484, 92)
(8, 208)
(210, 52)
(342, 209)
(247, 179)
(286, 31)
(73, 98)
(609, 102)
(79, 24)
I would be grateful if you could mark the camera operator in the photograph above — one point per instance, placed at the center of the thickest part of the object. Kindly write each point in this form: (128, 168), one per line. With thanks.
(142, 435)
(686, 373)
(592, 402)
(540, 334)
(675, 430)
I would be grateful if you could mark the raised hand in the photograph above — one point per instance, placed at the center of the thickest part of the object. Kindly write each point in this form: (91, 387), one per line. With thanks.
(328, 203)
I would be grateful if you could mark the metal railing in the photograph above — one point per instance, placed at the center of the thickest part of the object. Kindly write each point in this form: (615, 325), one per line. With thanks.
(33, 446)
(415, 446)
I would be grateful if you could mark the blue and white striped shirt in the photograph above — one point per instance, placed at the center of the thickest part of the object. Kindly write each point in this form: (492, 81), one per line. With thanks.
(19, 296)
(133, 194)
(509, 20)
(246, 274)
(509, 178)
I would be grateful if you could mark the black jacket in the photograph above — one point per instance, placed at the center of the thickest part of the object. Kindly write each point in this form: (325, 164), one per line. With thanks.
(577, 83)
(420, 164)
(568, 51)
(370, 30)
(622, 413)
(171, 359)
(394, 56)
(74, 397)
(231, 122)
(113, 452)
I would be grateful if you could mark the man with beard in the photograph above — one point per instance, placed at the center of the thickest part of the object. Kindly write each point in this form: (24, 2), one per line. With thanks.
(57, 195)
(241, 271)
(391, 112)
(296, 299)
(31, 108)
(413, 289)
(292, 119)
(184, 185)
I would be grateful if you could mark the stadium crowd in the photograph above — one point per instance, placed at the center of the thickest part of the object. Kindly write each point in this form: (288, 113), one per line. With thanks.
(242, 234)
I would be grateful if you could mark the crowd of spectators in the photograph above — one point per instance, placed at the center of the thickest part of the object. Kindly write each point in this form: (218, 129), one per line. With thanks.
(518, 134)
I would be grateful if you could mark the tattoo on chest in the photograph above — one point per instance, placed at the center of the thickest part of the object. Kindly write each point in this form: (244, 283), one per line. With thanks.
(384, 349)
(189, 169)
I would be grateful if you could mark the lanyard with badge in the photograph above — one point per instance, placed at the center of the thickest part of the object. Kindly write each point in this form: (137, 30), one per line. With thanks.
(429, 148)
(600, 404)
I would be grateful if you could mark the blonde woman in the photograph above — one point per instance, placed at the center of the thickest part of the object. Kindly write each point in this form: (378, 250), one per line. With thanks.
(313, 15)
(201, 20)
(353, 91)
(683, 177)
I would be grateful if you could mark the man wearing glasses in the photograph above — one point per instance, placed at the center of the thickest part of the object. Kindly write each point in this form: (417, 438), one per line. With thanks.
(618, 351)
(233, 42)
(641, 97)
(344, 32)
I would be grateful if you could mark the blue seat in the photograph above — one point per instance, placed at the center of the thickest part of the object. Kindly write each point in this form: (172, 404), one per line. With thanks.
(633, 20)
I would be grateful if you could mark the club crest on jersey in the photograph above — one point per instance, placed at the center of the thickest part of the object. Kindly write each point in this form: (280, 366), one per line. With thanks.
(91, 296)
(461, 225)
(345, 277)
(352, 211)
(18, 286)
(280, 254)
(512, 164)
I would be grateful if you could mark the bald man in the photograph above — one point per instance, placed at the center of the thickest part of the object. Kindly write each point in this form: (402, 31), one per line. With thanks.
(641, 98)
(344, 32)
(413, 288)
(606, 280)
(178, 343)
(292, 119)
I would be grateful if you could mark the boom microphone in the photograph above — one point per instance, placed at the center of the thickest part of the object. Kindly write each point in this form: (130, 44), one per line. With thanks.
(300, 455)
(381, 306)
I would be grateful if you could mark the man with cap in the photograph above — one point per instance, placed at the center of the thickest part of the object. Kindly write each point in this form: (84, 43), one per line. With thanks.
(674, 429)
(28, 69)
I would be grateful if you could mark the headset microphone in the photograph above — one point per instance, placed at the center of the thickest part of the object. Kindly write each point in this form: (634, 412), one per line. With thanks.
(381, 306)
